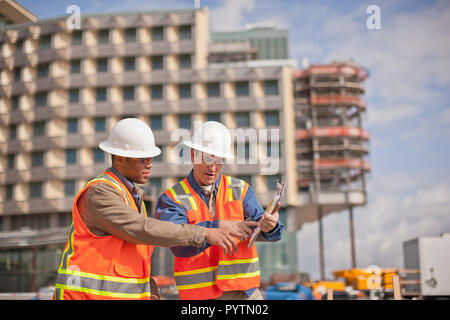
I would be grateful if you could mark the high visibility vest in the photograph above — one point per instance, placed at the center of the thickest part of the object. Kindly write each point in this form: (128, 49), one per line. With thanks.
(208, 274)
(103, 267)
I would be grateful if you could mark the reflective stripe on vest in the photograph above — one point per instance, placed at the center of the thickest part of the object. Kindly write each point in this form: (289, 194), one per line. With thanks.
(198, 278)
(243, 268)
(234, 188)
(183, 196)
(109, 286)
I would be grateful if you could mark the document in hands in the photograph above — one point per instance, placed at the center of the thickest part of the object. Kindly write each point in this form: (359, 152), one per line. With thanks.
(275, 199)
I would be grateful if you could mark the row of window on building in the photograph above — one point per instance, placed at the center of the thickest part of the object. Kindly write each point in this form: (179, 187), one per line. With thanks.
(102, 36)
(156, 92)
(100, 65)
(156, 122)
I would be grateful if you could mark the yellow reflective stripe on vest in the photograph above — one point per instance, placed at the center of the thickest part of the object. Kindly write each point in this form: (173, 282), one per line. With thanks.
(103, 293)
(191, 199)
(239, 268)
(103, 285)
(238, 275)
(198, 278)
(181, 194)
(227, 262)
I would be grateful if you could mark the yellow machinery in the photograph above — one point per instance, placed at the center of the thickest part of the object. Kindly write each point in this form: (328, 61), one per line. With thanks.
(367, 279)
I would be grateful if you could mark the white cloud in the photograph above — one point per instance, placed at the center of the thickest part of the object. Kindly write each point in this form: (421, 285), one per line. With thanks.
(230, 16)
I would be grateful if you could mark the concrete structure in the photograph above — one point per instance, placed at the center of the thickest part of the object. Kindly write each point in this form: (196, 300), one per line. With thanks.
(62, 90)
(331, 144)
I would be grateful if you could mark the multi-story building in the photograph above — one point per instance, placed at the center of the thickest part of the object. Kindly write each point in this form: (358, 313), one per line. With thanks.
(331, 143)
(62, 90)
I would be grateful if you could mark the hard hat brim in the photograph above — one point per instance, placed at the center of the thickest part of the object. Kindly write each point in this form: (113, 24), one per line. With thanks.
(155, 151)
(207, 150)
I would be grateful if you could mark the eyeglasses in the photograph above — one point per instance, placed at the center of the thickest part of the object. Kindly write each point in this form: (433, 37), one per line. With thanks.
(142, 161)
(210, 159)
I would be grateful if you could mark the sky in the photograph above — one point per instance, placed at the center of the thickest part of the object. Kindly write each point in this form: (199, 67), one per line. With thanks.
(408, 113)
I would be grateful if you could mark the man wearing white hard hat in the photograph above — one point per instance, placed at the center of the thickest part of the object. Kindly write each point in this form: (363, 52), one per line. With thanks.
(211, 199)
(110, 243)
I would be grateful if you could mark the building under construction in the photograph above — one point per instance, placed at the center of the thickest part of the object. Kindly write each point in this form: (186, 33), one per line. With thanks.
(331, 143)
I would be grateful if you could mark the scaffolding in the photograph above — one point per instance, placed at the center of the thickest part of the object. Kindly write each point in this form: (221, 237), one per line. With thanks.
(331, 144)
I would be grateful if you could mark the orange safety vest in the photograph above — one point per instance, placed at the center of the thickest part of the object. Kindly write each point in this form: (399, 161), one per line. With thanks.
(208, 274)
(103, 267)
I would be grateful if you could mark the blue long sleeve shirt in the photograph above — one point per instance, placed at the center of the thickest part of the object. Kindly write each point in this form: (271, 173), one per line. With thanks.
(169, 210)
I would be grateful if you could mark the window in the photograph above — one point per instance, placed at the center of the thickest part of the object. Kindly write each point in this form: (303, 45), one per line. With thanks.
(213, 89)
(184, 121)
(103, 36)
(272, 118)
(39, 129)
(158, 158)
(156, 122)
(130, 63)
(40, 99)
(75, 66)
(156, 183)
(43, 70)
(15, 102)
(156, 91)
(213, 116)
(272, 147)
(100, 94)
(11, 161)
(271, 87)
(77, 37)
(184, 91)
(128, 93)
(69, 187)
(102, 65)
(17, 71)
(243, 151)
(242, 88)
(71, 156)
(74, 95)
(157, 62)
(242, 119)
(272, 182)
(37, 159)
(185, 32)
(157, 33)
(72, 125)
(100, 124)
(19, 46)
(99, 156)
(13, 131)
(184, 61)
(130, 35)
(246, 178)
(9, 192)
(35, 190)
(45, 42)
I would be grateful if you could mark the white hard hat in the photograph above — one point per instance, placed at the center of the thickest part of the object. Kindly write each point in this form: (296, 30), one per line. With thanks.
(211, 137)
(131, 138)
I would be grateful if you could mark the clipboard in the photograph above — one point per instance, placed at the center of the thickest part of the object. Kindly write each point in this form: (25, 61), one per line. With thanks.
(281, 186)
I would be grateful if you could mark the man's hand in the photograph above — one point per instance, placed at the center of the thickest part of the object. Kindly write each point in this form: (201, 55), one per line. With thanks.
(269, 222)
(221, 238)
(238, 229)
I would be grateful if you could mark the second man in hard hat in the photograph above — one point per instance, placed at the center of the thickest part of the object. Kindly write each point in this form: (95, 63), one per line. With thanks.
(211, 199)
(110, 243)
